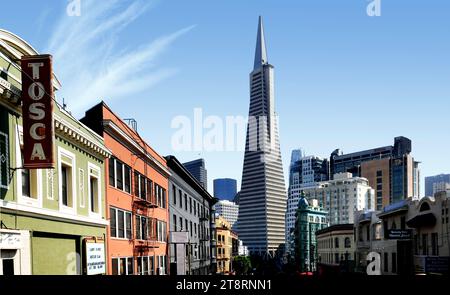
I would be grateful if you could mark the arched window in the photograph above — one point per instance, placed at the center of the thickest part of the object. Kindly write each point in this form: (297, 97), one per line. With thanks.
(336, 242)
(347, 243)
(424, 207)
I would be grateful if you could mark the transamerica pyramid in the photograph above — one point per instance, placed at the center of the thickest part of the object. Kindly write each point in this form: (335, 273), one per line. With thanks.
(262, 201)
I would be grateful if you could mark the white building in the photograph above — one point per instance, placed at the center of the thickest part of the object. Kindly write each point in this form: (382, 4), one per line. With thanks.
(343, 196)
(228, 210)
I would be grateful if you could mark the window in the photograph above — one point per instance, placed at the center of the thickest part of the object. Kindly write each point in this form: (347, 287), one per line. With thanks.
(122, 266)
(120, 224)
(386, 262)
(190, 205)
(150, 196)
(136, 184)
(185, 202)
(162, 265)
(162, 231)
(145, 265)
(424, 207)
(180, 195)
(94, 195)
(119, 175)
(434, 244)
(174, 193)
(191, 228)
(403, 222)
(336, 242)
(347, 243)
(186, 225)
(181, 224)
(174, 223)
(336, 258)
(142, 187)
(394, 262)
(379, 173)
(66, 195)
(368, 233)
(141, 227)
(81, 187)
(424, 244)
(4, 163)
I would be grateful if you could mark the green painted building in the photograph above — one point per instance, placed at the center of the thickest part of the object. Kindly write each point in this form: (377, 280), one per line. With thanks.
(50, 218)
(309, 219)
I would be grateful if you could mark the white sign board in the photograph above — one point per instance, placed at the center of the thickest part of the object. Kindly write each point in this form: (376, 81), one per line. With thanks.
(95, 258)
(179, 237)
(10, 240)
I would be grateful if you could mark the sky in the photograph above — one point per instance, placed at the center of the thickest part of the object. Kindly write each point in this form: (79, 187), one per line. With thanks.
(343, 79)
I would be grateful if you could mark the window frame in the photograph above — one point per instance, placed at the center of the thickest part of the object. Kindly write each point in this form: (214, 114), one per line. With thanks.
(72, 164)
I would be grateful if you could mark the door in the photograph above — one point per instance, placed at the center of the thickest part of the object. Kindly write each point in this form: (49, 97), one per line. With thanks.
(9, 262)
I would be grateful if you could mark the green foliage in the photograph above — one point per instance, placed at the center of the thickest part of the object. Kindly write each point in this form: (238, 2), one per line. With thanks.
(242, 265)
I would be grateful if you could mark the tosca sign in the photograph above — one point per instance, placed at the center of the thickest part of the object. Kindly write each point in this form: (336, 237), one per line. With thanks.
(399, 234)
(37, 111)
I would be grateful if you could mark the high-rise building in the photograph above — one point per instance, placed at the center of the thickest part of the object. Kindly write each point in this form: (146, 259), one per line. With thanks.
(225, 188)
(342, 196)
(303, 172)
(437, 183)
(228, 210)
(198, 169)
(391, 170)
(262, 201)
(310, 219)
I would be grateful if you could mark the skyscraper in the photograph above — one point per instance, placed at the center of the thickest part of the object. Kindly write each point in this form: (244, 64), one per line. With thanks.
(198, 170)
(304, 171)
(225, 188)
(262, 201)
(437, 183)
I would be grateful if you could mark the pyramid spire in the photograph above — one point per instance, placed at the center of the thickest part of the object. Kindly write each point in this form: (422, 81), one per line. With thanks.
(260, 52)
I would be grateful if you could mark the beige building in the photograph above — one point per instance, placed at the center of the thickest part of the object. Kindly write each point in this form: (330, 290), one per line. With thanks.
(411, 236)
(225, 240)
(377, 172)
(342, 196)
(336, 247)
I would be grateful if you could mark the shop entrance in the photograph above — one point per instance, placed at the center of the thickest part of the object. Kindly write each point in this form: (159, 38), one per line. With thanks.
(9, 261)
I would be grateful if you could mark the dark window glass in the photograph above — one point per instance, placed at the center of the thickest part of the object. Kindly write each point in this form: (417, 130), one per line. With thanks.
(180, 195)
(144, 228)
(127, 179)
(121, 225)
(138, 227)
(379, 173)
(114, 266)
(424, 244)
(64, 186)
(136, 184)
(128, 216)
(175, 223)
(403, 222)
(119, 169)
(112, 172)
(174, 194)
(150, 191)
(143, 191)
(112, 222)
(93, 186)
(26, 190)
(8, 267)
(130, 269)
(181, 224)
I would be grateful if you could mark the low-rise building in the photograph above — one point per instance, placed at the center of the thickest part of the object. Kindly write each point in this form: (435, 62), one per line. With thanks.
(226, 238)
(228, 210)
(191, 211)
(410, 236)
(336, 248)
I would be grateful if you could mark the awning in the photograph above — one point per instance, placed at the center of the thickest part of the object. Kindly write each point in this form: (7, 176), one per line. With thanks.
(422, 220)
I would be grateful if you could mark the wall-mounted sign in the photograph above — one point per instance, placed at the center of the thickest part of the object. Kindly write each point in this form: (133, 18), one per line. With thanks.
(437, 264)
(399, 234)
(10, 240)
(37, 111)
(95, 258)
(179, 237)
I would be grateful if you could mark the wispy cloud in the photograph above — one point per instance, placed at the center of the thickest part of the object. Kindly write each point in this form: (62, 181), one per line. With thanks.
(90, 62)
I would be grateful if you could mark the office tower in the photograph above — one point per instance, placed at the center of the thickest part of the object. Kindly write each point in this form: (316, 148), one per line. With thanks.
(437, 183)
(342, 196)
(225, 188)
(198, 169)
(391, 170)
(262, 201)
(303, 172)
(228, 210)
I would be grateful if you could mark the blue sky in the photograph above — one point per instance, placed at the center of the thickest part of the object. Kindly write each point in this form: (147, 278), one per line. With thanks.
(342, 79)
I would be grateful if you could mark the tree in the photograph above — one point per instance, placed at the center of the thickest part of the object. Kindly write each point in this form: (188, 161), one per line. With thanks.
(242, 265)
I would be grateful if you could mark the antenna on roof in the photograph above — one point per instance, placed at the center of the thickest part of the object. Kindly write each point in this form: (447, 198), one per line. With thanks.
(132, 123)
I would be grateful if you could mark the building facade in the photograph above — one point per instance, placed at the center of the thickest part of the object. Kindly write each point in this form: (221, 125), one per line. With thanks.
(410, 236)
(436, 184)
(336, 249)
(47, 216)
(391, 170)
(136, 197)
(228, 210)
(225, 188)
(191, 211)
(262, 199)
(342, 196)
(310, 219)
(303, 172)
(198, 169)
(227, 241)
